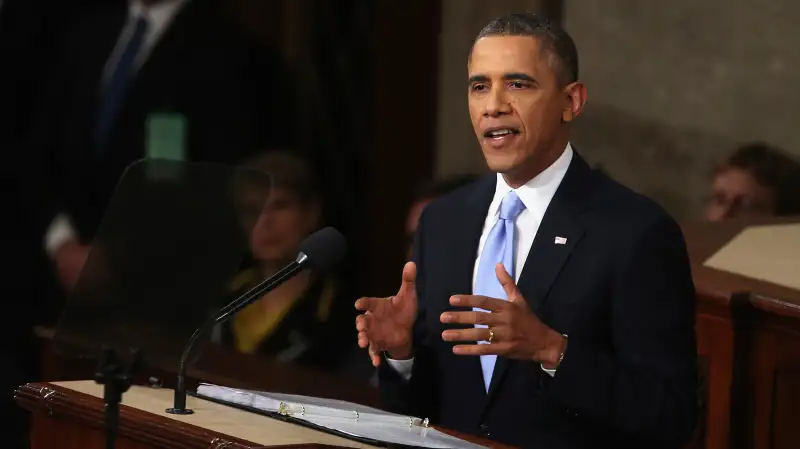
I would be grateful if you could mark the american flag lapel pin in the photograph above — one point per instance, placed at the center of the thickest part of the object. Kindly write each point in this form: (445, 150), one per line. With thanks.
(561, 240)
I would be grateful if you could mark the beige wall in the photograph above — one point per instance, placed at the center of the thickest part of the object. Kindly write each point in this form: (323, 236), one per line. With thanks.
(673, 86)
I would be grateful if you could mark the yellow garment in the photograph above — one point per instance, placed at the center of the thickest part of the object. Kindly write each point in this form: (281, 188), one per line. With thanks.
(251, 326)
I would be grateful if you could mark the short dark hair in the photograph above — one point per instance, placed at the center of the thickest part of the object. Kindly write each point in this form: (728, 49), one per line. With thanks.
(771, 167)
(551, 36)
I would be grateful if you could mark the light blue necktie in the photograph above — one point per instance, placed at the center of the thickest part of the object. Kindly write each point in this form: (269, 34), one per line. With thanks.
(499, 248)
(117, 86)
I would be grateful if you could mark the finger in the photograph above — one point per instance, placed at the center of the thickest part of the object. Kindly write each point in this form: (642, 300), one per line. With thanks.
(361, 323)
(474, 334)
(472, 317)
(481, 302)
(408, 284)
(501, 348)
(365, 323)
(512, 292)
(374, 356)
(366, 304)
(363, 340)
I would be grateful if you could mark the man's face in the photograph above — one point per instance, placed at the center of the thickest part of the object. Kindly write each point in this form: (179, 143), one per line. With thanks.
(516, 104)
(736, 193)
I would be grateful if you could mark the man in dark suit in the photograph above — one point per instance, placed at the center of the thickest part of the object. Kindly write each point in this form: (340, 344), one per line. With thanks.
(579, 331)
(148, 78)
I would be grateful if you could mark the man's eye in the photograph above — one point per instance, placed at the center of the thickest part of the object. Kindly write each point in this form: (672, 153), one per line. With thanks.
(478, 87)
(517, 85)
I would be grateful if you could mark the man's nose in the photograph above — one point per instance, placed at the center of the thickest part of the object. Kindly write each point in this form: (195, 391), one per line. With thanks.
(497, 103)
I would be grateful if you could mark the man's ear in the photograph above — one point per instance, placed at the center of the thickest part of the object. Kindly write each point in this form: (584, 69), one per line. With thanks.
(574, 100)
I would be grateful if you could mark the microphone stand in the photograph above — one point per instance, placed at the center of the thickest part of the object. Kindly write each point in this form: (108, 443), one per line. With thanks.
(116, 380)
(265, 286)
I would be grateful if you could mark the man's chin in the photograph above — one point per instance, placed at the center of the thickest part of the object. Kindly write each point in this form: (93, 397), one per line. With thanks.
(500, 165)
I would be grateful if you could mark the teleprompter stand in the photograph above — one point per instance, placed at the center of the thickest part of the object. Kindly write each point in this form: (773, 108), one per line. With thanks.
(116, 380)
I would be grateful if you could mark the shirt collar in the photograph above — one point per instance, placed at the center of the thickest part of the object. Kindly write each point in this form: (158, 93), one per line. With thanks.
(537, 193)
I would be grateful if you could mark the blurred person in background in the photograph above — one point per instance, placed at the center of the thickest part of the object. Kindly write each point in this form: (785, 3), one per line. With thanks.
(757, 180)
(167, 79)
(303, 321)
(424, 195)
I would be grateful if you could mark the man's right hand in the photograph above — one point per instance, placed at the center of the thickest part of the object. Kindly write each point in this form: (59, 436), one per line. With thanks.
(386, 324)
(70, 259)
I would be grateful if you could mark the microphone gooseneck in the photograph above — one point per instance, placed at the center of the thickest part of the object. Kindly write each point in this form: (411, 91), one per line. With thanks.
(321, 251)
(264, 287)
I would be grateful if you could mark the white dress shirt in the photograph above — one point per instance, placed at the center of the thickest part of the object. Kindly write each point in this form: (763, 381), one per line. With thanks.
(536, 195)
(159, 17)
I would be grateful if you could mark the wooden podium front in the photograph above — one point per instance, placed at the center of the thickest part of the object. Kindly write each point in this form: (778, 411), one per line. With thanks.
(70, 415)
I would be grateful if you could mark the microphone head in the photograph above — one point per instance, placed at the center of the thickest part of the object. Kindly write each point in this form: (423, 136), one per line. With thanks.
(324, 249)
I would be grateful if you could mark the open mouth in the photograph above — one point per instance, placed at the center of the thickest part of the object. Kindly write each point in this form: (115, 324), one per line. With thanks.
(499, 133)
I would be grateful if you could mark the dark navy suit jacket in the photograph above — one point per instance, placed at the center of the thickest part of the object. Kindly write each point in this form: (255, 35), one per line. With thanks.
(620, 288)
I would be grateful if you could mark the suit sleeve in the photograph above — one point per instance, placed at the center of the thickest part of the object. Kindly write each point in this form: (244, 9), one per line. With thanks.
(644, 382)
(416, 396)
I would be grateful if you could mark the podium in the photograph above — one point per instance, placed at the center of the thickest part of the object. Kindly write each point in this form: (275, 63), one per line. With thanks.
(748, 336)
(67, 415)
(70, 415)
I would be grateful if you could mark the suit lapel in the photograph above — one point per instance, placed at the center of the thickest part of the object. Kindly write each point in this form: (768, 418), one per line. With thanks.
(546, 257)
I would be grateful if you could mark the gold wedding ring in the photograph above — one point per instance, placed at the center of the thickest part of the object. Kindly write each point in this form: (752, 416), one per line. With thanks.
(491, 335)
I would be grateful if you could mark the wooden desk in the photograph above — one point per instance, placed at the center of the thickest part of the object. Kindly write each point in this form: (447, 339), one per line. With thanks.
(70, 415)
(749, 333)
(218, 365)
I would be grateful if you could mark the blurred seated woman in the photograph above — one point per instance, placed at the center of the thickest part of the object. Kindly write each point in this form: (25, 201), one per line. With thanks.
(300, 321)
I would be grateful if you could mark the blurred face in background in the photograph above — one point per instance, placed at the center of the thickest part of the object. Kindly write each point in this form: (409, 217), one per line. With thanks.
(412, 222)
(735, 192)
(280, 227)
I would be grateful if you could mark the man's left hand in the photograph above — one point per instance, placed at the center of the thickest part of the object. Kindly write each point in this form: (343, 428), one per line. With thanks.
(512, 330)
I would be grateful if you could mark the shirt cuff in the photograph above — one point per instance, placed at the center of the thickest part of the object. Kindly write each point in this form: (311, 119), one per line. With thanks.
(551, 372)
(59, 232)
(402, 367)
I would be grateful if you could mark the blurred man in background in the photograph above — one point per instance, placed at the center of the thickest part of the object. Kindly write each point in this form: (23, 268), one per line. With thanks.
(757, 180)
(424, 195)
(167, 79)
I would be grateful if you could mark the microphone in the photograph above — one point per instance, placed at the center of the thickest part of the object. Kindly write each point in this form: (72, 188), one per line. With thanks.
(320, 251)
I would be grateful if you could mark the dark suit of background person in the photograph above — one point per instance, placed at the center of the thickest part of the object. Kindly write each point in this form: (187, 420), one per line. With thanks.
(236, 97)
(596, 345)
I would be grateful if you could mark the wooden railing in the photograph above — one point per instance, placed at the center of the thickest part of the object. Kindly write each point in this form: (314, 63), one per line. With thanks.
(748, 332)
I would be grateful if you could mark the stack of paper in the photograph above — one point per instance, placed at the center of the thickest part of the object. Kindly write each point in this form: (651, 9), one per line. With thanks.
(341, 416)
